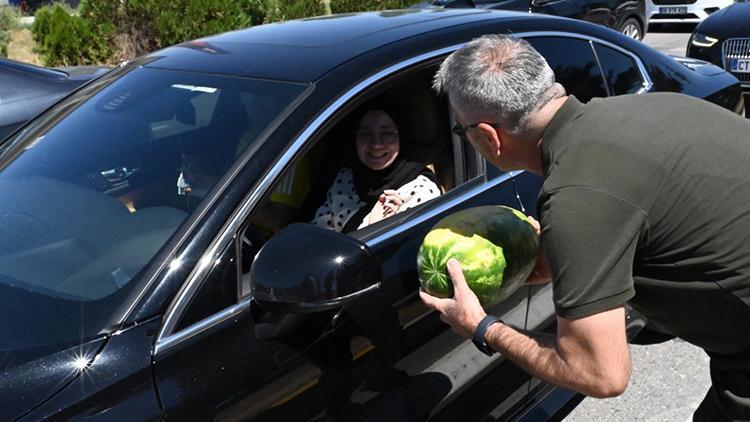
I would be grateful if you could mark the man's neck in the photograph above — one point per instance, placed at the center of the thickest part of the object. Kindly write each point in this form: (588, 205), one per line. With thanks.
(539, 122)
(544, 116)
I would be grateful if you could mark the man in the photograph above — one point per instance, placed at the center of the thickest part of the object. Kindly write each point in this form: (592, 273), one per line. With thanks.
(645, 199)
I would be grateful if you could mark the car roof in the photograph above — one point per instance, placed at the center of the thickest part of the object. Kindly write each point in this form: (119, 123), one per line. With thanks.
(304, 50)
(30, 69)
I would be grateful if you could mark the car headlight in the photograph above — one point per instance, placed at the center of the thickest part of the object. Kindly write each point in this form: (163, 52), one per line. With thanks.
(703, 40)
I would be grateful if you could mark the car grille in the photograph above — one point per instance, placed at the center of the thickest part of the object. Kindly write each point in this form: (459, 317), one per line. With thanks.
(672, 2)
(736, 48)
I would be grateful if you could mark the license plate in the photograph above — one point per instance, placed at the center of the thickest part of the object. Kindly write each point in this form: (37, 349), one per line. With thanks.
(681, 10)
(740, 65)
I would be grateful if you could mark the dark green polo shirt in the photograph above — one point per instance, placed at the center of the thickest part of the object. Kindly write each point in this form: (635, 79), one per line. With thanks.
(646, 200)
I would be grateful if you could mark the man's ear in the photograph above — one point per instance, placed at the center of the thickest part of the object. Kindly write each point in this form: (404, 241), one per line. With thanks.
(491, 138)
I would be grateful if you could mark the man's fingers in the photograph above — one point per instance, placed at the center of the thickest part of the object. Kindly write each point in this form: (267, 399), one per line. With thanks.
(535, 223)
(431, 301)
(457, 275)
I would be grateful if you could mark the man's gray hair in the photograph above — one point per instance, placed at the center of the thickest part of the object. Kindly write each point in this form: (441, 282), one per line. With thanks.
(498, 79)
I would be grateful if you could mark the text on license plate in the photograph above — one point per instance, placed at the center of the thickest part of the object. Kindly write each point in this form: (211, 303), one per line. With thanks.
(740, 65)
(673, 10)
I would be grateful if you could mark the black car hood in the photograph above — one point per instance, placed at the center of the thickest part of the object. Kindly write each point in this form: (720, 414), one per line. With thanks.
(730, 22)
(29, 384)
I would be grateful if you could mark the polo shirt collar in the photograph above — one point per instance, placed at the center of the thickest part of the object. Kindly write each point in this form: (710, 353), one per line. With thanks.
(551, 142)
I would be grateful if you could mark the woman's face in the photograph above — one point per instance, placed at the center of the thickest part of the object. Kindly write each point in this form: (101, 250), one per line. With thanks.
(377, 140)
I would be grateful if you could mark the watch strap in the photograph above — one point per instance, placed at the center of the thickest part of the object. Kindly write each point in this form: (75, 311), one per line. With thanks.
(478, 337)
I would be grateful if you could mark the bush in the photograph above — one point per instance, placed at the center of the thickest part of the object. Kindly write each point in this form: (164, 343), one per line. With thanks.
(109, 31)
(347, 6)
(283, 10)
(8, 22)
(63, 39)
(136, 27)
(177, 21)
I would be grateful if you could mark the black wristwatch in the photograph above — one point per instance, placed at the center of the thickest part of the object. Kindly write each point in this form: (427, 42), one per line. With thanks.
(478, 337)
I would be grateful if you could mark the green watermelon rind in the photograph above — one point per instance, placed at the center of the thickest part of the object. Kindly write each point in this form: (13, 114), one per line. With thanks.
(472, 236)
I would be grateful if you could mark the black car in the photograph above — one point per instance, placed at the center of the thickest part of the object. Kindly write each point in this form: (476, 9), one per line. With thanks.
(26, 90)
(126, 296)
(724, 39)
(30, 6)
(626, 16)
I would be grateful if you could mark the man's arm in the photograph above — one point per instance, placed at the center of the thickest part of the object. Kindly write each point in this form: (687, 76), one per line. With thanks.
(589, 355)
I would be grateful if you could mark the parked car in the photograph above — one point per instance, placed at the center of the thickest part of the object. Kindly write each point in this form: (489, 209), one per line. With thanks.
(26, 90)
(682, 11)
(724, 40)
(125, 296)
(626, 16)
(30, 6)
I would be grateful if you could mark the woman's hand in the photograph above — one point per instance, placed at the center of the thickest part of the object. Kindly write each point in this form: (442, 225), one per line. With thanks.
(391, 202)
(388, 205)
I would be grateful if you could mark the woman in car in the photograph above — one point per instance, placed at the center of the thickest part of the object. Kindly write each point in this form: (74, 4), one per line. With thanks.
(380, 182)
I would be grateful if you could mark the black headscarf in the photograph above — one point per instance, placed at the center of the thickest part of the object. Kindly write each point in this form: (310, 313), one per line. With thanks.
(370, 184)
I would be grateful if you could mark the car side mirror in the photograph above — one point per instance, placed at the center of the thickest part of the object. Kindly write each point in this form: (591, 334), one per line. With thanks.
(305, 268)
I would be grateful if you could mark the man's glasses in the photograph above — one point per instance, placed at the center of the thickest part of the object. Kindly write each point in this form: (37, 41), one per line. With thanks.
(461, 131)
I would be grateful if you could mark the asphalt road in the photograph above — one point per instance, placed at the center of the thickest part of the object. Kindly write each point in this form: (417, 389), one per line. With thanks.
(670, 379)
(670, 39)
(668, 382)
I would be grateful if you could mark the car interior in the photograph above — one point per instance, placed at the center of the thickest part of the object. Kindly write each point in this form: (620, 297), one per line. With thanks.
(430, 141)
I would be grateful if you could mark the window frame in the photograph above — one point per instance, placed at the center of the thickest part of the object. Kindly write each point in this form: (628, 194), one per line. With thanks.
(645, 77)
(167, 338)
(608, 83)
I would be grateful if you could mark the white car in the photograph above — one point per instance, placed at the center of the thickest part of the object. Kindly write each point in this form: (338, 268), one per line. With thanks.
(682, 11)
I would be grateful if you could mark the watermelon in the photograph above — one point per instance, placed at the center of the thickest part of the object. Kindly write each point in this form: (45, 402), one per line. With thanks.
(496, 246)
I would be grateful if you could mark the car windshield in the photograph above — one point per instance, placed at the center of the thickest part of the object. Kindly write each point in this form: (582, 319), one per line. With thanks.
(92, 190)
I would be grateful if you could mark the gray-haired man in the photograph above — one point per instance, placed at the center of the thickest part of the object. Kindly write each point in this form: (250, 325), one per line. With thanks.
(634, 208)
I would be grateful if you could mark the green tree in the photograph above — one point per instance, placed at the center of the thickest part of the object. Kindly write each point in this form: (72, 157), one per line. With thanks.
(8, 22)
(66, 39)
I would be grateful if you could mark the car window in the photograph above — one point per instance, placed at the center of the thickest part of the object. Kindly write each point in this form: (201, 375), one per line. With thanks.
(195, 115)
(420, 163)
(91, 196)
(217, 291)
(620, 70)
(574, 64)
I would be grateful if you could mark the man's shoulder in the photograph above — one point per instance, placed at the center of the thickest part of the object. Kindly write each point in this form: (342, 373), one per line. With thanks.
(659, 102)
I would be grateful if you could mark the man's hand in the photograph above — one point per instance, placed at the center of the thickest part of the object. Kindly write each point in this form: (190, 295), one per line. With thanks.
(541, 273)
(589, 354)
(462, 311)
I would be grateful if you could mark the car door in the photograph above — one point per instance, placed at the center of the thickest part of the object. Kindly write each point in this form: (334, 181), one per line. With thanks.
(382, 355)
